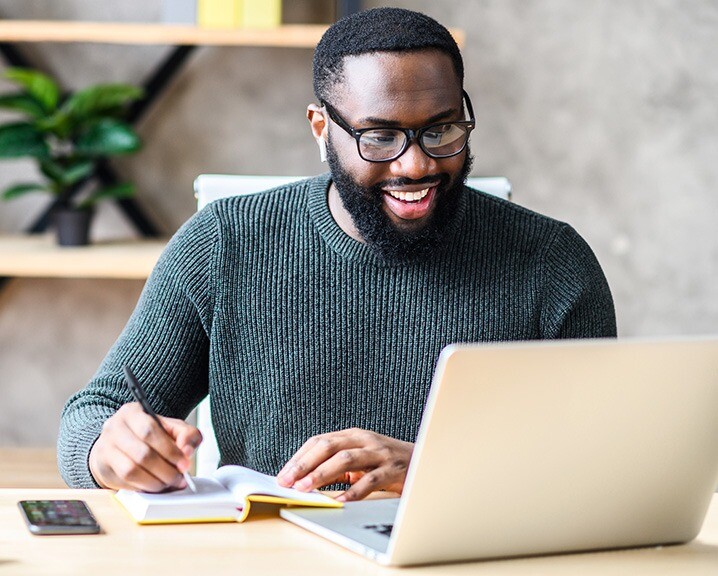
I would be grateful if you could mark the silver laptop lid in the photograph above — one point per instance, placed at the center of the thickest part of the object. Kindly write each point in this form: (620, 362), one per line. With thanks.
(561, 446)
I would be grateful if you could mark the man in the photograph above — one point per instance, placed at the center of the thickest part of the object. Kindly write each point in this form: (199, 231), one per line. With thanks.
(313, 314)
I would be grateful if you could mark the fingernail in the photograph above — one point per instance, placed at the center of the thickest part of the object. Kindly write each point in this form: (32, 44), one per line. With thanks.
(341, 498)
(188, 451)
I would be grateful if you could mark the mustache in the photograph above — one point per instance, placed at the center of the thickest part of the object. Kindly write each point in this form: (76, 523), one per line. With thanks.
(441, 179)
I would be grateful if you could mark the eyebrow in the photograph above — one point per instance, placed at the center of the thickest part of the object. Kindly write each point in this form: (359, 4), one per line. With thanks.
(372, 121)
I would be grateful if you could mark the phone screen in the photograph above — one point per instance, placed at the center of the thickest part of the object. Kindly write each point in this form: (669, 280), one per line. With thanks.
(45, 517)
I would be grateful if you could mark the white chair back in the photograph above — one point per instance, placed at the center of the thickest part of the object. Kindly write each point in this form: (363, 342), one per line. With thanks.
(210, 187)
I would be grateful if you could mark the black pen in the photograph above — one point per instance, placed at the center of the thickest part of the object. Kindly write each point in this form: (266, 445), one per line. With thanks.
(136, 388)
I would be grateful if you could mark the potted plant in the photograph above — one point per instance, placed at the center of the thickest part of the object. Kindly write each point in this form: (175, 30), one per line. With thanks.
(68, 137)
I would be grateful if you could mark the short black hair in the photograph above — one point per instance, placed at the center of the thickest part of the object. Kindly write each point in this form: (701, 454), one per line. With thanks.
(378, 30)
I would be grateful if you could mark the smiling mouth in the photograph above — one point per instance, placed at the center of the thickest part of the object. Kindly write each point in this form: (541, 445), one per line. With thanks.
(409, 196)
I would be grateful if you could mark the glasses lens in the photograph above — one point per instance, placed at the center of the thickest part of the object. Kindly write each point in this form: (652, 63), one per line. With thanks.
(444, 139)
(381, 144)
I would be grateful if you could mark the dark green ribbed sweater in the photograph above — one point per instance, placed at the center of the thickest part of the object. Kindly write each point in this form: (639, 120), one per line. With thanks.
(295, 329)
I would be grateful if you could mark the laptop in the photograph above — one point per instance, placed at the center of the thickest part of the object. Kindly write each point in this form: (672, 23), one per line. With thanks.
(548, 447)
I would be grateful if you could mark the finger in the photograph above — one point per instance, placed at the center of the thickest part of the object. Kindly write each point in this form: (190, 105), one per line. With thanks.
(144, 428)
(125, 473)
(120, 471)
(186, 437)
(292, 462)
(371, 481)
(336, 468)
(146, 457)
(314, 452)
(147, 444)
(120, 460)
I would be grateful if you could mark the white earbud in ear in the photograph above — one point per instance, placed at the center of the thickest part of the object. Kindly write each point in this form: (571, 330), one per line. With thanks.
(322, 149)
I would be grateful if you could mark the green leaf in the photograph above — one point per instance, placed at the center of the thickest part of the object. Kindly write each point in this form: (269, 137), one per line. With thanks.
(101, 99)
(107, 137)
(58, 123)
(51, 169)
(77, 171)
(41, 87)
(22, 139)
(21, 189)
(117, 192)
(22, 103)
(65, 174)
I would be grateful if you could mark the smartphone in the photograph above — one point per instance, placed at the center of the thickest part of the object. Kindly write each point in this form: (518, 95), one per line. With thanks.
(45, 517)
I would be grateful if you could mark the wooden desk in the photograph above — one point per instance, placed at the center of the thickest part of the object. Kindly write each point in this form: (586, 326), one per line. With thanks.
(264, 544)
(267, 545)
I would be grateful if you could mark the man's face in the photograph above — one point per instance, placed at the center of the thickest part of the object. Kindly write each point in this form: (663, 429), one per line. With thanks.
(401, 207)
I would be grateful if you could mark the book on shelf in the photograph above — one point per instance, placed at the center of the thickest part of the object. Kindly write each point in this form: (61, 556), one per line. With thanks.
(261, 13)
(219, 14)
(226, 496)
(179, 12)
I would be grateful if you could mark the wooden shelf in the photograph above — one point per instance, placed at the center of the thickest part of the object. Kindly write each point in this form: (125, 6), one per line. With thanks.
(286, 36)
(38, 256)
(289, 35)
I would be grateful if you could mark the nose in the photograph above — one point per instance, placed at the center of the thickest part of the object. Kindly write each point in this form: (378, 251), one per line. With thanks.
(413, 163)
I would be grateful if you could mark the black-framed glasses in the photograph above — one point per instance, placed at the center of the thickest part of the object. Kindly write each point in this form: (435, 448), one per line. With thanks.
(441, 140)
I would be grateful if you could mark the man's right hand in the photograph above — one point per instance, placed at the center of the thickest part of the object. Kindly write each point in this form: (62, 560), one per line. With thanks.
(133, 452)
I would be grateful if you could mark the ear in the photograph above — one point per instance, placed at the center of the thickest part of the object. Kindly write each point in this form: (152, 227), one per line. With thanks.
(318, 121)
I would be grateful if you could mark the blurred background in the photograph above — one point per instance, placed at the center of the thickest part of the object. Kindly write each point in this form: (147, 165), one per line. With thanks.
(601, 113)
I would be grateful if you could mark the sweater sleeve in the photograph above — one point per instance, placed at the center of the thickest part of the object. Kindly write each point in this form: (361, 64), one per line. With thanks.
(576, 300)
(165, 342)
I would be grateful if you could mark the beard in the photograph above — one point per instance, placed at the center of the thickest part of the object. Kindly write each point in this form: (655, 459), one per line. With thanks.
(389, 242)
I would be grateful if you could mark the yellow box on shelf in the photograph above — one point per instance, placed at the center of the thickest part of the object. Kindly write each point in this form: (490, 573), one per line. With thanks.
(220, 14)
(261, 13)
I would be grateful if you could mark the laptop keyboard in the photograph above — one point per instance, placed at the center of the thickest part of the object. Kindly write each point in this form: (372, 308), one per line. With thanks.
(383, 529)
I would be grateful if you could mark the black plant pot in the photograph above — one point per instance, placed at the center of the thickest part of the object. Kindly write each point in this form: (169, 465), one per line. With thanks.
(73, 226)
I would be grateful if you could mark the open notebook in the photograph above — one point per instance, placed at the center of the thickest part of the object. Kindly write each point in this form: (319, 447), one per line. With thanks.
(225, 497)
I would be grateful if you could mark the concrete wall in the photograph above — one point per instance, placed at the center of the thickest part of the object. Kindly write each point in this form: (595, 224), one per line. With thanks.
(603, 114)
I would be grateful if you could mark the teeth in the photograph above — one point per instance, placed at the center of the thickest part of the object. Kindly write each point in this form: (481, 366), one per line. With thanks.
(409, 196)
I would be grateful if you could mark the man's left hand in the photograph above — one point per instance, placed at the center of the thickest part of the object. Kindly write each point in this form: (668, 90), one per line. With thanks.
(366, 460)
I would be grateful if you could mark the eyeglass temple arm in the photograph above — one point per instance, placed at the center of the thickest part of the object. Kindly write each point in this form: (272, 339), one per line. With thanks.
(469, 107)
